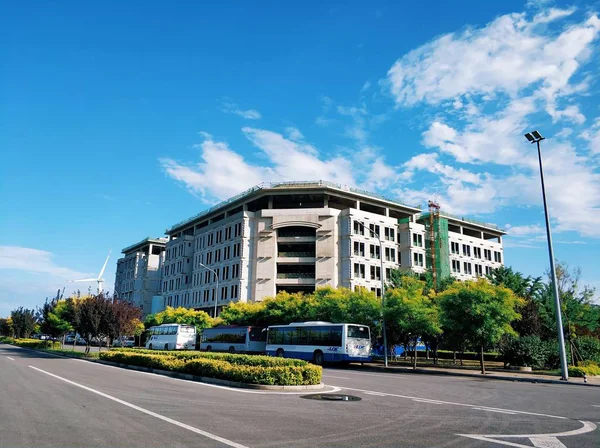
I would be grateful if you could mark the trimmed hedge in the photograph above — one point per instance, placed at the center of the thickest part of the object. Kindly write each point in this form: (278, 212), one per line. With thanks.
(249, 360)
(32, 343)
(225, 366)
(590, 368)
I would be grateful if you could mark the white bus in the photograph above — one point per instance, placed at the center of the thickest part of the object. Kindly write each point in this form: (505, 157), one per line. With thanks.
(172, 337)
(234, 339)
(320, 342)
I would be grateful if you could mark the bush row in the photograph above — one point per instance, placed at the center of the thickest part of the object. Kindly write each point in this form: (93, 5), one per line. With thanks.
(232, 358)
(31, 343)
(589, 368)
(210, 367)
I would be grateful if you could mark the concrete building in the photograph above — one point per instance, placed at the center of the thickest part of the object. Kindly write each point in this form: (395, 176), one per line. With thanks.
(297, 236)
(139, 272)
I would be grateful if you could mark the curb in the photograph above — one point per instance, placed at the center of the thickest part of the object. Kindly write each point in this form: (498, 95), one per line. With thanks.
(472, 375)
(183, 376)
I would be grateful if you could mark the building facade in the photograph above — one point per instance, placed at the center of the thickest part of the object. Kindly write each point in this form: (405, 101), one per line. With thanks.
(139, 271)
(297, 236)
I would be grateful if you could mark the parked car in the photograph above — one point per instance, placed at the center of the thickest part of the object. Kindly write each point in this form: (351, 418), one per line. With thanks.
(125, 341)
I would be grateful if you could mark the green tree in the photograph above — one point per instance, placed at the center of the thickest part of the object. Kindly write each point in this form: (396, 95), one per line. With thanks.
(54, 318)
(24, 322)
(479, 311)
(410, 315)
(180, 315)
(5, 326)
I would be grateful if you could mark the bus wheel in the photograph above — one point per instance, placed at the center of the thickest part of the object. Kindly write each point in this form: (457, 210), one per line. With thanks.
(231, 349)
(150, 346)
(208, 348)
(166, 346)
(318, 357)
(279, 353)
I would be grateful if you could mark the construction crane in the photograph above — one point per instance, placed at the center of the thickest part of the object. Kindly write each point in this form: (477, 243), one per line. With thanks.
(434, 215)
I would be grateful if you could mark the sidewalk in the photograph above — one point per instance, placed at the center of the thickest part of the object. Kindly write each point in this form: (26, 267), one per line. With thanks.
(509, 375)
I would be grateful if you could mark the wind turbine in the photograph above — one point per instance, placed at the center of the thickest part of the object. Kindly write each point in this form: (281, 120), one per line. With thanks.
(100, 280)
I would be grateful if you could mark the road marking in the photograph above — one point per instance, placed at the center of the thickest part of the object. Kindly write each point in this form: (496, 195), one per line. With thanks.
(12, 359)
(495, 410)
(538, 440)
(457, 404)
(391, 375)
(375, 393)
(425, 400)
(146, 411)
(596, 405)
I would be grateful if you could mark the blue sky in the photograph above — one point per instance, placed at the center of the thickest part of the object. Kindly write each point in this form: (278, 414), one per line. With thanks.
(118, 120)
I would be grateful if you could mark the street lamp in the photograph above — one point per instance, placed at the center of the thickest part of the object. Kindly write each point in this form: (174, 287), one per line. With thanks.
(536, 137)
(385, 353)
(217, 279)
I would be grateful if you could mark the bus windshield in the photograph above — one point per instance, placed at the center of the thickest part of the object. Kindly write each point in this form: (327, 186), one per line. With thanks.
(358, 332)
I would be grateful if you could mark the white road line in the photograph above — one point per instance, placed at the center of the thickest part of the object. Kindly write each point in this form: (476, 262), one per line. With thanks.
(400, 376)
(538, 440)
(338, 377)
(457, 404)
(424, 400)
(146, 411)
(495, 410)
(12, 359)
(375, 393)
(596, 405)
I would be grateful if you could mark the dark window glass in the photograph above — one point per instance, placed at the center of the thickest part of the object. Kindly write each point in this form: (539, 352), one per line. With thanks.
(258, 334)
(359, 332)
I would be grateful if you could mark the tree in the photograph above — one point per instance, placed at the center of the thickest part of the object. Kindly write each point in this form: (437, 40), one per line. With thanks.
(180, 315)
(410, 315)
(53, 318)
(6, 326)
(24, 322)
(123, 318)
(479, 311)
(94, 317)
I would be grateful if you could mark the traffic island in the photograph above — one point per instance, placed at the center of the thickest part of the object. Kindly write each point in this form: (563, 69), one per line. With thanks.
(257, 372)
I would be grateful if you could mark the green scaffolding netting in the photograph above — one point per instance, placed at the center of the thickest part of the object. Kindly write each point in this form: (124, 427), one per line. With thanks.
(439, 245)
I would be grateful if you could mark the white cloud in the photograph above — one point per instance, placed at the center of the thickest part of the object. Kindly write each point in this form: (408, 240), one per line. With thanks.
(507, 55)
(527, 230)
(294, 133)
(592, 135)
(220, 174)
(37, 261)
(232, 108)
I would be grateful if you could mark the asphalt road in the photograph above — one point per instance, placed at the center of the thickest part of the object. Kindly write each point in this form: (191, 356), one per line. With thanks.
(59, 402)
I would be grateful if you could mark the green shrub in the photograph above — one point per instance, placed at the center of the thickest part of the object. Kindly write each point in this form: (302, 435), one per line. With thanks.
(528, 351)
(233, 358)
(588, 348)
(590, 368)
(231, 367)
(34, 343)
(7, 340)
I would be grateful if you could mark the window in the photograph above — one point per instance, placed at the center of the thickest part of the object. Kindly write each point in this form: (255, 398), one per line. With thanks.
(358, 229)
(417, 240)
(488, 270)
(468, 268)
(219, 236)
(374, 251)
(223, 293)
(359, 270)
(217, 255)
(466, 250)
(455, 248)
(497, 257)
(210, 239)
(234, 291)
(418, 259)
(237, 230)
(390, 254)
(389, 234)
(228, 233)
(477, 252)
(209, 258)
(455, 266)
(375, 273)
(487, 253)
(478, 270)
(330, 336)
(374, 229)
(236, 250)
(359, 249)
(226, 252)
(226, 273)
(235, 270)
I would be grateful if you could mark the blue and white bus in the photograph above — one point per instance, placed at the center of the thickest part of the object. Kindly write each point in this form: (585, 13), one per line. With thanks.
(234, 339)
(320, 342)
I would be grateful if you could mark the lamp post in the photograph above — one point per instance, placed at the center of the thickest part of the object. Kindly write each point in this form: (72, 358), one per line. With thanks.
(536, 137)
(217, 279)
(385, 353)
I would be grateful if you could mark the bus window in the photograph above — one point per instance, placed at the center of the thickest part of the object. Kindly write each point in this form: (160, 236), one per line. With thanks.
(354, 331)
(258, 334)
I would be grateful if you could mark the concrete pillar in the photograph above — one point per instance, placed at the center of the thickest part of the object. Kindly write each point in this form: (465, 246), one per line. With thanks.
(461, 230)
(387, 211)
(357, 205)
(326, 202)
(245, 207)
(270, 202)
